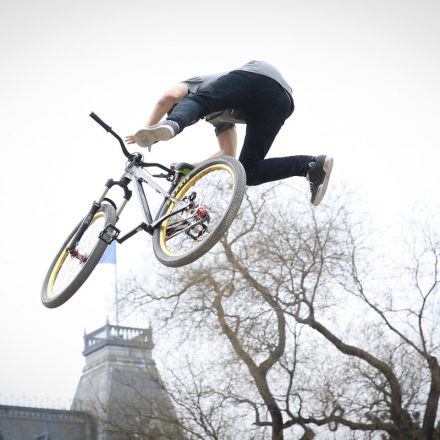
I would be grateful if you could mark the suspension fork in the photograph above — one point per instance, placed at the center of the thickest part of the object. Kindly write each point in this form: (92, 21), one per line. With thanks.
(97, 205)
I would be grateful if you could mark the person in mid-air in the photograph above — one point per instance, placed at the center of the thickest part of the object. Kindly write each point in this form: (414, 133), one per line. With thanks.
(255, 94)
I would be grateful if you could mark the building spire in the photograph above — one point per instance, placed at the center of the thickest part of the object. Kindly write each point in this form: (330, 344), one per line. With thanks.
(120, 380)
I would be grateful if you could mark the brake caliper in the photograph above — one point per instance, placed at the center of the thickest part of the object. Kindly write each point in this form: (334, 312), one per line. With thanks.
(75, 254)
(202, 212)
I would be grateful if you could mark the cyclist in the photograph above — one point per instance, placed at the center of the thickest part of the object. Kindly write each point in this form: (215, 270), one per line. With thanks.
(255, 94)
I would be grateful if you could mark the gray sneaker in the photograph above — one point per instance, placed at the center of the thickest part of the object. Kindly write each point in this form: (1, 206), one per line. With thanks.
(162, 131)
(318, 177)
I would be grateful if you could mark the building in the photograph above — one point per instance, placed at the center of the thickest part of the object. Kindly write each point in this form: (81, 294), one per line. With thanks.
(120, 396)
(22, 423)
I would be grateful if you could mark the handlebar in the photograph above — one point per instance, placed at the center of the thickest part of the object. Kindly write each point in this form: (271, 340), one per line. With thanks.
(95, 117)
(127, 154)
(107, 128)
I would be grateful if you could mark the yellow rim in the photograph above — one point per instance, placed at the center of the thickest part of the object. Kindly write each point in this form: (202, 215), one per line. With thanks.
(61, 259)
(179, 195)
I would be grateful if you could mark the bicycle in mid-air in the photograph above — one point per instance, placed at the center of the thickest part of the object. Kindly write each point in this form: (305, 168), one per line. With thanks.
(196, 211)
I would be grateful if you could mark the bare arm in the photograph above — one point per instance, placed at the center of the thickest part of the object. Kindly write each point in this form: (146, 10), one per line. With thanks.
(227, 141)
(166, 102)
(163, 106)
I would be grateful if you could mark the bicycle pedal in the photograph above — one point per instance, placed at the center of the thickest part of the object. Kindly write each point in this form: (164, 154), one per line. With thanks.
(109, 233)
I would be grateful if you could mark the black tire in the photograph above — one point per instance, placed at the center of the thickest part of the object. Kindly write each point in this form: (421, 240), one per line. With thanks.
(67, 274)
(219, 185)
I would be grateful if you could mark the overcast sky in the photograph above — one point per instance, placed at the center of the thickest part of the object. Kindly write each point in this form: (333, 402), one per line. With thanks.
(365, 79)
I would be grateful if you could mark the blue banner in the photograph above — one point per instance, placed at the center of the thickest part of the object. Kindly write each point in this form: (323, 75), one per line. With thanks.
(109, 255)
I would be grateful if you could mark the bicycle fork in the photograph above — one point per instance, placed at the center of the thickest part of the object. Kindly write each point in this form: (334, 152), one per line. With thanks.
(106, 235)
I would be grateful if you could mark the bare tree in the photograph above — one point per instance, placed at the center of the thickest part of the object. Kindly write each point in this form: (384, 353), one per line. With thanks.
(281, 288)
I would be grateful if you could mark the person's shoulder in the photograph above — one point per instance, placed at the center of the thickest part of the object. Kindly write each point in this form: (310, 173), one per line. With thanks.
(255, 63)
(201, 82)
(204, 78)
(194, 83)
(193, 79)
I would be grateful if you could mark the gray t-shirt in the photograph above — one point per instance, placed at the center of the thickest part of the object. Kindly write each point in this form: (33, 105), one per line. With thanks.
(201, 82)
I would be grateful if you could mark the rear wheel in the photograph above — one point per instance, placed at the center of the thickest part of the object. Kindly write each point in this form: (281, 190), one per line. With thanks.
(68, 271)
(214, 192)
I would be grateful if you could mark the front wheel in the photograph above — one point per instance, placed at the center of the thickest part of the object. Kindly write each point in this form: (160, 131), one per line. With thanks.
(213, 192)
(68, 271)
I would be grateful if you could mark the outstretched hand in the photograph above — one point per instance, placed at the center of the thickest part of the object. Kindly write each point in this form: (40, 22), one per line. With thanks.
(130, 140)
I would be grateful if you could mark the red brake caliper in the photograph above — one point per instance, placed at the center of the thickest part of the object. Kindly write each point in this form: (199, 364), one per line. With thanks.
(76, 254)
(202, 212)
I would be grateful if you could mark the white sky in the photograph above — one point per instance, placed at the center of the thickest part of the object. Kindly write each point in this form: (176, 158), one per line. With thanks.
(365, 78)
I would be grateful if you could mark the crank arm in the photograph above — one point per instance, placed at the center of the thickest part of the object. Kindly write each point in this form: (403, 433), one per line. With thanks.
(180, 226)
(176, 231)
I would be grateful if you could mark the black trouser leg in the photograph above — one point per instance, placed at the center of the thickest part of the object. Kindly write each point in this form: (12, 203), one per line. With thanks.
(263, 124)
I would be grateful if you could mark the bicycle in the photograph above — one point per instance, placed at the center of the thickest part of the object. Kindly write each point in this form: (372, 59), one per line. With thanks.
(196, 211)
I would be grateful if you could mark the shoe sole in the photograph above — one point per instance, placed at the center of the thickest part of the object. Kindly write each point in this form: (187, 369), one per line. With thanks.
(146, 137)
(327, 167)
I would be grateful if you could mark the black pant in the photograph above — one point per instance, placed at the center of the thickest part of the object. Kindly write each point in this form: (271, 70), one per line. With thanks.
(266, 106)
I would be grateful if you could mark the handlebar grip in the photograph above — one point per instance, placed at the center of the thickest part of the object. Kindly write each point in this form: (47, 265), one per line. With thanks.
(100, 122)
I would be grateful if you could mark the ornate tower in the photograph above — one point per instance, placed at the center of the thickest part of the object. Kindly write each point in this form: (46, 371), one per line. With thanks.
(121, 386)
